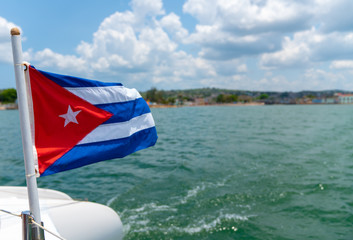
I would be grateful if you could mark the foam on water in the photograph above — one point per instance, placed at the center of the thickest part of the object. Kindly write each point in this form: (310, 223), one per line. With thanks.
(201, 225)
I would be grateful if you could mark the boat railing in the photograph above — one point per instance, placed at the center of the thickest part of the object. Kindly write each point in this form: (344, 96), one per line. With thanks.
(30, 229)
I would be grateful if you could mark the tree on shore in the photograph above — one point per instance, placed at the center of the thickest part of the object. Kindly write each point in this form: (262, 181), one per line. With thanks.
(263, 96)
(8, 95)
(215, 95)
(226, 98)
(156, 96)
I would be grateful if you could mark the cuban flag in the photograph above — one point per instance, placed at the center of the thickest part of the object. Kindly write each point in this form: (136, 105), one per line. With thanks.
(76, 122)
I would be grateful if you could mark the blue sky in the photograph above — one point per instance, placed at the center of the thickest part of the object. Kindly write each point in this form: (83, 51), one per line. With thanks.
(266, 45)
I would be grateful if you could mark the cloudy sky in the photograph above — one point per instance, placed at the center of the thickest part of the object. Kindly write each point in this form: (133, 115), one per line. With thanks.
(267, 45)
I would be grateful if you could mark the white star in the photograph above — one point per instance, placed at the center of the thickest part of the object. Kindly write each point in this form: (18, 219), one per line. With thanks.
(70, 116)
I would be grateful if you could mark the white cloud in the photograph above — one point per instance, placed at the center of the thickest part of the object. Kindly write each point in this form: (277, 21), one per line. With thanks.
(146, 8)
(342, 64)
(125, 48)
(69, 63)
(309, 47)
(334, 15)
(294, 53)
(242, 68)
(227, 68)
(249, 15)
(231, 29)
(173, 26)
(5, 40)
(205, 11)
(145, 52)
(318, 79)
(275, 83)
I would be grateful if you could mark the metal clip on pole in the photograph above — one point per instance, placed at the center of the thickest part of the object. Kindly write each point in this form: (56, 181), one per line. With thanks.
(29, 230)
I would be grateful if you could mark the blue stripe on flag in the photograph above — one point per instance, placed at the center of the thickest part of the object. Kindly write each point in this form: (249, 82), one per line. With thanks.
(73, 82)
(124, 111)
(85, 154)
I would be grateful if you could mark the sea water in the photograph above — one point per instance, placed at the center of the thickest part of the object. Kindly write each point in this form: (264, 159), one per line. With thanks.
(249, 172)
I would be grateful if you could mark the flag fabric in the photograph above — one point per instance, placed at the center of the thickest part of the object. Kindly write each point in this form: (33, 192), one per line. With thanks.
(76, 121)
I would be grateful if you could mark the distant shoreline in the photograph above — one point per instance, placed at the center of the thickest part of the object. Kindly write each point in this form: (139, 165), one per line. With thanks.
(241, 104)
(206, 105)
(15, 107)
(10, 106)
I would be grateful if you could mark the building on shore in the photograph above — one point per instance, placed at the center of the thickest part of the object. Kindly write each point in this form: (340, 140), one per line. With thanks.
(345, 98)
(329, 100)
(8, 106)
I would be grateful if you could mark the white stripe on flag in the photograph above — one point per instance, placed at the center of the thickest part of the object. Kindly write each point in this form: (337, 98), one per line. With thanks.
(119, 130)
(102, 95)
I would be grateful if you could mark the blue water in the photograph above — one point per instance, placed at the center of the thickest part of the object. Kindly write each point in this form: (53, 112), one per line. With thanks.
(256, 172)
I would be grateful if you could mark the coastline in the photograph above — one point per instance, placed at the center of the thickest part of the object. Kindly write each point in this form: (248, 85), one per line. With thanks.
(10, 106)
(206, 105)
(237, 105)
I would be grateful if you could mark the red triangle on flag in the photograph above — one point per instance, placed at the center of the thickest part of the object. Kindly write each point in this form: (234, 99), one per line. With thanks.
(61, 119)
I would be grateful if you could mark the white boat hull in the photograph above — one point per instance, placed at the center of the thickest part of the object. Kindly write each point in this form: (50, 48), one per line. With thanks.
(60, 214)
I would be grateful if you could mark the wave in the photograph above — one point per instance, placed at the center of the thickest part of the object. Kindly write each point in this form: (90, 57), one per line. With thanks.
(220, 223)
(200, 188)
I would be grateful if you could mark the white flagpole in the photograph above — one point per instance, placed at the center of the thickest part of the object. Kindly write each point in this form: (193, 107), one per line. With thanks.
(25, 125)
